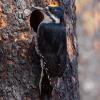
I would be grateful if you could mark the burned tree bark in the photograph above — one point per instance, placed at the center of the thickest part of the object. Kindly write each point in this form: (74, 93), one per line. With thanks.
(20, 64)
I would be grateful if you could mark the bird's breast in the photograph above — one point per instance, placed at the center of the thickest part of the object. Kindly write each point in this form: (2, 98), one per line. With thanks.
(50, 37)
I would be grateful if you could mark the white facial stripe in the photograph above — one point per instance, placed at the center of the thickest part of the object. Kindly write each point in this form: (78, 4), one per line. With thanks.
(57, 20)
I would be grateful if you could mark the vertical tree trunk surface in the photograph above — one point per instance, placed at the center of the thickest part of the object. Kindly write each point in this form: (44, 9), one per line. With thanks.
(16, 65)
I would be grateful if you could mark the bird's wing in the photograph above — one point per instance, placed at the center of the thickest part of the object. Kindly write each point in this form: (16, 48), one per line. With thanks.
(52, 44)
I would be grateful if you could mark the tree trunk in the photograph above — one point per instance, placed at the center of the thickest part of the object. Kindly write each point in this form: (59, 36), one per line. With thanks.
(19, 61)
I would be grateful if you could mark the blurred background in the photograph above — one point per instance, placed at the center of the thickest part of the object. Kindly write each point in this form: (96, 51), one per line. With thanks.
(88, 30)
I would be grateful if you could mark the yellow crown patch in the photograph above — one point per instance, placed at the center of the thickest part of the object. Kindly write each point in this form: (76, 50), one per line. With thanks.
(53, 3)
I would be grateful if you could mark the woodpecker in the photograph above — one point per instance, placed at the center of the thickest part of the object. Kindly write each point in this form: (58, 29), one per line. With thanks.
(56, 14)
(51, 41)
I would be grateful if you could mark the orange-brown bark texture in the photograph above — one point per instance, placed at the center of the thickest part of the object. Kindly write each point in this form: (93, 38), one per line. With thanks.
(20, 66)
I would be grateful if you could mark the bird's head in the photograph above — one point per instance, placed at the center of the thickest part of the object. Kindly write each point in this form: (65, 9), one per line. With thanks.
(57, 11)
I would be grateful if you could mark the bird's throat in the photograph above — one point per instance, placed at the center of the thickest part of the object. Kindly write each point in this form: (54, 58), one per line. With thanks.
(55, 19)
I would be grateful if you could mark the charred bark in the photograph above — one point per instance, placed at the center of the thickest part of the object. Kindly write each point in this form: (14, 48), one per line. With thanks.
(20, 65)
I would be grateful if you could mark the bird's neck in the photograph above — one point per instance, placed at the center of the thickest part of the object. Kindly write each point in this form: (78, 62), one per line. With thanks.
(55, 19)
(62, 20)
